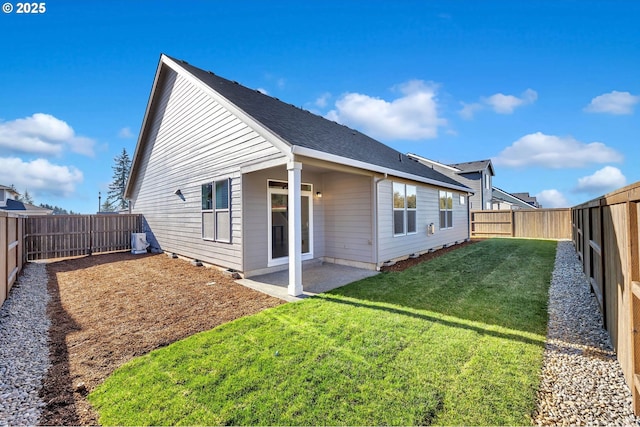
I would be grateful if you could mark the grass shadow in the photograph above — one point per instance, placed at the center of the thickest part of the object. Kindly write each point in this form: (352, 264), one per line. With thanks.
(502, 282)
(435, 319)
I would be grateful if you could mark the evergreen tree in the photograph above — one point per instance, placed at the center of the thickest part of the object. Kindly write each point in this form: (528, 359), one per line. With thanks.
(26, 198)
(121, 171)
(107, 206)
(56, 209)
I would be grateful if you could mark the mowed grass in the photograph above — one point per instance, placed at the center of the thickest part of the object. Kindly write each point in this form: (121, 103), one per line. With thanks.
(455, 340)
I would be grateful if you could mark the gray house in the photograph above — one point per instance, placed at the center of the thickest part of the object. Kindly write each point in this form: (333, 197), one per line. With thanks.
(232, 177)
(477, 175)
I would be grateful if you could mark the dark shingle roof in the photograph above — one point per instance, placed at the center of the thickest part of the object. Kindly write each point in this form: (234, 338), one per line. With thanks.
(475, 166)
(302, 128)
(15, 205)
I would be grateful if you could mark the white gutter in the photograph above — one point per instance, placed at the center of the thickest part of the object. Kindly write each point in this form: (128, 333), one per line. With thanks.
(432, 162)
(303, 151)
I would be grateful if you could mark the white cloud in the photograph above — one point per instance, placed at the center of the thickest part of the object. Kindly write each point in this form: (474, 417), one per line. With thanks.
(412, 116)
(613, 103)
(323, 100)
(125, 133)
(552, 199)
(42, 134)
(469, 110)
(505, 104)
(555, 152)
(602, 181)
(499, 103)
(39, 176)
(263, 91)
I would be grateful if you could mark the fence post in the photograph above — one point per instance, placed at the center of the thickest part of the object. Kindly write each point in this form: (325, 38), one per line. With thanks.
(513, 223)
(4, 285)
(633, 258)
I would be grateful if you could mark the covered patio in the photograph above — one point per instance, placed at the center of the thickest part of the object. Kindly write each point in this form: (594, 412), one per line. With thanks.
(317, 277)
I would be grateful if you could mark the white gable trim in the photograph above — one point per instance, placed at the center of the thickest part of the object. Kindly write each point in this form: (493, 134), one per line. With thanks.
(143, 127)
(270, 136)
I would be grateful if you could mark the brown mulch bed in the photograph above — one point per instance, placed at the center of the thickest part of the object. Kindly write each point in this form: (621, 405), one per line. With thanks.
(107, 309)
(410, 262)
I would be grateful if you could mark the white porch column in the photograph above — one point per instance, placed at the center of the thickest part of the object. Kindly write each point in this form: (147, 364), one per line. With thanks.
(295, 228)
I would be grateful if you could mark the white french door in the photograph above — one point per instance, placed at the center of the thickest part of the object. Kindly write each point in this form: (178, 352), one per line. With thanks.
(278, 222)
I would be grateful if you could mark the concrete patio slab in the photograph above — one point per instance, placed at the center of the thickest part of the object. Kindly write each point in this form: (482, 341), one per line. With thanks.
(316, 278)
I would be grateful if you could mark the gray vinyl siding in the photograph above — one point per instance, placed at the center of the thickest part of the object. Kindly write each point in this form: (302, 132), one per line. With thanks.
(348, 217)
(482, 195)
(256, 211)
(427, 203)
(475, 182)
(193, 140)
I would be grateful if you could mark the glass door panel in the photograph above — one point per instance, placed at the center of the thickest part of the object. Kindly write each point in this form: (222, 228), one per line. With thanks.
(305, 225)
(279, 226)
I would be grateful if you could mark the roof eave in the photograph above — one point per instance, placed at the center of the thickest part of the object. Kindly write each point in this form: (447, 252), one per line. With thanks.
(321, 155)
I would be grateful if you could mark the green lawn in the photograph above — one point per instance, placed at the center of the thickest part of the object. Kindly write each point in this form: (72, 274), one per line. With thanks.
(455, 340)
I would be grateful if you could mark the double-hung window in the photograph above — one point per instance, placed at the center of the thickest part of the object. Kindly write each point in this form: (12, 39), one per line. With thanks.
(216, 211)
(404, 209)
(446, 209)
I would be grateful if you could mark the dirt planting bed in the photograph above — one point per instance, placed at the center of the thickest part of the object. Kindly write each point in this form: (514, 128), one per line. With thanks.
(107, 309)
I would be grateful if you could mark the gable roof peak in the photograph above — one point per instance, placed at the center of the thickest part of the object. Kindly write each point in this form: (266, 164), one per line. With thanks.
(298, 131)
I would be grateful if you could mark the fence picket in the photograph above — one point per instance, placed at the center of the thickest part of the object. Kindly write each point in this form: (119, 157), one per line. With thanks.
(60, 236)
(536, 224)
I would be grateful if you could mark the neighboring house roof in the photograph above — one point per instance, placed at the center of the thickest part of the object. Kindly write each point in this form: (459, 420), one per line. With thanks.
(475, 166)
(308, 134)
(424, 161)
(25, 208)
(502, 195)
(457, 168)
(531, 200)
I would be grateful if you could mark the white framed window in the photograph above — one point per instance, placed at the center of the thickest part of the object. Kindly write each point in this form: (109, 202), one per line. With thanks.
(446, 209)
(216, 211)
(462, 199)
(487, 182)
(412, 209)
(404, 209)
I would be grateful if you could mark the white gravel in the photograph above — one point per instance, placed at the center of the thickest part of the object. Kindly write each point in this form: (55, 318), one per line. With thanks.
(24, 351)
(582, 382)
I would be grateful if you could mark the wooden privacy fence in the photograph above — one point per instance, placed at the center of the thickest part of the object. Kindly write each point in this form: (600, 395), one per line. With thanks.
(11, 258)
(530, 223)
(58, 236)
(607, 239)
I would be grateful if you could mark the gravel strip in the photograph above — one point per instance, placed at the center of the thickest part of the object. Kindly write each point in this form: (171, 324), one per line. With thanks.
(24, 350)
(582, 382)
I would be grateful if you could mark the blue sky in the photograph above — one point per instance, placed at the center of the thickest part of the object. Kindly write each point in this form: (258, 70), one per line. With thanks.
(549, 90)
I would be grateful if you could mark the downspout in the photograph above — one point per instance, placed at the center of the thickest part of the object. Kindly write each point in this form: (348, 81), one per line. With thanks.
(468, 217)
(376, 181)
